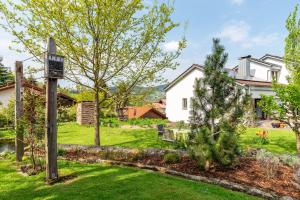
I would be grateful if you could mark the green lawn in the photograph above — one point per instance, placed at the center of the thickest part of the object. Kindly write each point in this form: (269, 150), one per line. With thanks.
(106, 182)
(72, 133)
(7, 134)
(281, 140)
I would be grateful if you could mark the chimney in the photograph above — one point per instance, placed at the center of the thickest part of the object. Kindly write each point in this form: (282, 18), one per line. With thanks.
(244, 67)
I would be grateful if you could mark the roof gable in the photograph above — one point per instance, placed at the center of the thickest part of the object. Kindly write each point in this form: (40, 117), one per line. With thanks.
(183, 75)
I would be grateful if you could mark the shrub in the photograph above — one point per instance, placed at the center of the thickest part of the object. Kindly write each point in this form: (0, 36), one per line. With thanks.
(7, 114)
(171, 158)
(61, 152)
(269, 161)
(146, 122)
(180, 125)
(66, 114)
(109, 122)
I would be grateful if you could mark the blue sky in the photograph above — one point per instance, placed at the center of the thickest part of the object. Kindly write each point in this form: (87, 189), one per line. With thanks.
(245, 27)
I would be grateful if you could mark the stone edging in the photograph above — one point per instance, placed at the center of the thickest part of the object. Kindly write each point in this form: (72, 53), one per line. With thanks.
(221, 182)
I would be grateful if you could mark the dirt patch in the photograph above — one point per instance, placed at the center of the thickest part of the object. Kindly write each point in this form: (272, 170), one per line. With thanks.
(30, 170)
(62, 179)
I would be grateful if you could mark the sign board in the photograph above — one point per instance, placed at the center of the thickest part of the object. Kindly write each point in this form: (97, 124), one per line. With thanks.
(54, 66)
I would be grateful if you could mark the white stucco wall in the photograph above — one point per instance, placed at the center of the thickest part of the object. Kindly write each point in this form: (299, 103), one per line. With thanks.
(182, 89)
(283, 72)
(261, 71)
(5, 96)
(256, 92)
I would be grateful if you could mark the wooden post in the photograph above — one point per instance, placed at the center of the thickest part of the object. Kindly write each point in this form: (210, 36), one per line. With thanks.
(18, 112)
(51, 128)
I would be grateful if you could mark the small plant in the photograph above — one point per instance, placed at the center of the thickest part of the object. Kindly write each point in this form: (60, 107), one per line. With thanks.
(262, 137)
(270, 162)
(181, 142)
(180, 125)
(171, 158)
(290, 160)
(61, 152)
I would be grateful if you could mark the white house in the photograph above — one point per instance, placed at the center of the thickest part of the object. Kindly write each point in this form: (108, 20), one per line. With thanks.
(7, 93)
(255, 75)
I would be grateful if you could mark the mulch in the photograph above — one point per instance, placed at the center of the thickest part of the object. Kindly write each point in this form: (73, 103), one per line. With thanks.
(248, 172)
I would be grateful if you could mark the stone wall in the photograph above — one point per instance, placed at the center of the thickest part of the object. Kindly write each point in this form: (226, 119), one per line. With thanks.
(85, 113)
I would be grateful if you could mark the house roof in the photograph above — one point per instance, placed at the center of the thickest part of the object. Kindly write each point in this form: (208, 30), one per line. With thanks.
(261, 60)
(254, 83)
(27, 84)
(184, 74)
(271, 56)
(140, 111)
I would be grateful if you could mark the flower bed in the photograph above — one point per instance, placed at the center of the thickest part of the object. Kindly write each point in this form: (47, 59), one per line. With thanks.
(249, 172)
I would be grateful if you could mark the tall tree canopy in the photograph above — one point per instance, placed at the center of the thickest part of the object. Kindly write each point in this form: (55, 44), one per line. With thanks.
(218, 106)
(106, 42)
(285, 105)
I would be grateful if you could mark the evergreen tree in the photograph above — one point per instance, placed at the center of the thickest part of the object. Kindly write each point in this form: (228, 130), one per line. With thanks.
(217, 109)
(5, 74)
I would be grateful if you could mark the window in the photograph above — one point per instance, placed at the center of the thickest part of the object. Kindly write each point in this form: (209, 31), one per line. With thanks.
(184, 104)
(274, 75)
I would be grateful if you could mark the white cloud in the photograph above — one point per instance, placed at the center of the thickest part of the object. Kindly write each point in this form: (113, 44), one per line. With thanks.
(261, 40)
(171, 46)
(235, 31)
(239, 32)
(237, 2)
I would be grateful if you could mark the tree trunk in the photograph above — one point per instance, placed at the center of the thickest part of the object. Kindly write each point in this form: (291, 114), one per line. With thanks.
(97, 120)
(298, 143)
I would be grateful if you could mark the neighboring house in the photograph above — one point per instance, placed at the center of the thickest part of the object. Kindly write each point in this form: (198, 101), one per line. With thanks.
(132, 112)
(160, 105)
(7, 92)
(256, 75)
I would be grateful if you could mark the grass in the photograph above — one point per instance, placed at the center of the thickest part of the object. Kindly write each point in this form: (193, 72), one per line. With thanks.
(106, 182)
(72, 133)
(7, 133)
(281, 140)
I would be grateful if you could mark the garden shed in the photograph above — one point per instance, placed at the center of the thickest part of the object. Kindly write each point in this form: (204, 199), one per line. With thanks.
(85, 113)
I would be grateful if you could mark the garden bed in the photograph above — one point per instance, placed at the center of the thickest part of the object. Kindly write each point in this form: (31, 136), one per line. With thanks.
(248, 172)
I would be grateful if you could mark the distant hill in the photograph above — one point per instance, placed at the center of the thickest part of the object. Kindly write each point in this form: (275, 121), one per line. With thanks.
(156, 93)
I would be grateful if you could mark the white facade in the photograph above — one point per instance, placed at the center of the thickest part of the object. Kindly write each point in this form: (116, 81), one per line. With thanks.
(181, 90)
(255, 74)
(5, 96)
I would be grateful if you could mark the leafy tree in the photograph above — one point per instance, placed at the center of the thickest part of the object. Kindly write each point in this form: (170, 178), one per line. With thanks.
(5, 74)
(105, 42)
(217, 109)
(285, 105)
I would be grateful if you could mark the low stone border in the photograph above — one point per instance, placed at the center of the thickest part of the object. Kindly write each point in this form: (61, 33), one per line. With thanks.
(96, 149)
(224, 183)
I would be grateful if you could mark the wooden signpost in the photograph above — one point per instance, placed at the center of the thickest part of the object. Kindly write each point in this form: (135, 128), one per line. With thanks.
(19, 111)
(54, 69)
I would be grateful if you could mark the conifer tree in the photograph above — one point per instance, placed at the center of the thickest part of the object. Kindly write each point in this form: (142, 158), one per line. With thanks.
(217, 109)
(5, 74)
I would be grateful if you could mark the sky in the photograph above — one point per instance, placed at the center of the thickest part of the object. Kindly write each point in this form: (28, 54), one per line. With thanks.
(245, 27)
